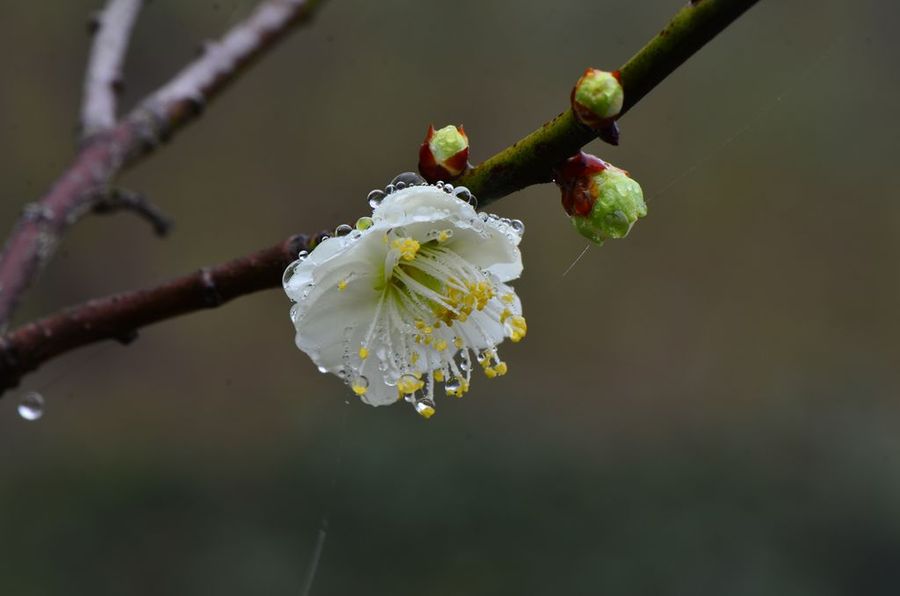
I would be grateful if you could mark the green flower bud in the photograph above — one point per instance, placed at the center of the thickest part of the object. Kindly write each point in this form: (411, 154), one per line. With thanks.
(445, 153)
(597, 98)
(620, 202)
(602, 200)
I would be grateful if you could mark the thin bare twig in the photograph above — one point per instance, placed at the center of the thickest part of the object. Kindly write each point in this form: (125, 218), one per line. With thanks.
(127, 200)
(33, 239)
(103, 79)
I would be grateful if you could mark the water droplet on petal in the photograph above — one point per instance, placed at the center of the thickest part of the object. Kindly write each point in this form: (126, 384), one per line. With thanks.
(301, 256)
(407, 179)
(464, 194)
(289, 273)
(323, 370)
(375, 197)
(448, 188)
(31, 406)
(295, 312)
(389, 189)
(518, 226)
(342, 230)
(364, 223)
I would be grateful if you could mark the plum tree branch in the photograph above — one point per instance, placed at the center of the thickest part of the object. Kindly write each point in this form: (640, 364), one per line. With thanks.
(529, 161)
(37, 232)
(103, 80)
(120, 316)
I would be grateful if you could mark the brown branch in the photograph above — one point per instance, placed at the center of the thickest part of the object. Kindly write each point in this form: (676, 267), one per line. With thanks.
(103, 79)
(121, 315)
(33, 239)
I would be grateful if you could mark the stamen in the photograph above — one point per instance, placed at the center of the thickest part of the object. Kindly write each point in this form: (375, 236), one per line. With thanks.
(407, 247)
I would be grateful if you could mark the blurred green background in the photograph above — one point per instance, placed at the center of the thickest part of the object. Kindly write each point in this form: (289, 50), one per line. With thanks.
(707, 407)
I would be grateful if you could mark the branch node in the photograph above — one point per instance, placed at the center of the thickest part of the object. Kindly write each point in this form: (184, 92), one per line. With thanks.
(127, 337)
(211, 295)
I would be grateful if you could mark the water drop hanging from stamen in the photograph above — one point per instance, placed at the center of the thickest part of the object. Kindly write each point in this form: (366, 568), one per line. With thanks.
(425, 407)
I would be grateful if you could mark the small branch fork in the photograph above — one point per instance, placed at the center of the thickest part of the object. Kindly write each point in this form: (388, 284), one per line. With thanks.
(109, 150)
(527, 162)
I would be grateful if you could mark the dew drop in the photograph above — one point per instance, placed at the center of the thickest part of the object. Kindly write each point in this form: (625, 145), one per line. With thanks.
(407, 179)
(518, 226)
(364, 223)
(448, 188)
(464, 194)
(31, 406)
(425, 407)
(301, 256)
(375, 197)
(389, 189)
(323, 370)
(342, 230)
(452, 385)
(295, 312)
(289, 273)
(361, 382)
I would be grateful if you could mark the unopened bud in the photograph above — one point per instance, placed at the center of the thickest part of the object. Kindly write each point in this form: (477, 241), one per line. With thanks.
(602, 200)
(597, 98)
(445, 153)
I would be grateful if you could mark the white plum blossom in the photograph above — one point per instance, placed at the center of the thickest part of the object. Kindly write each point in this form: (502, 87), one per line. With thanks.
(406, 300)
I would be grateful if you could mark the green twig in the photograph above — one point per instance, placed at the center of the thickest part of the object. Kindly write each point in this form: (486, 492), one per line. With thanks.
(531, 160)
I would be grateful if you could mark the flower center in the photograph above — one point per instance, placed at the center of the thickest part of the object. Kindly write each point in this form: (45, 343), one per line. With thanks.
(435, 309)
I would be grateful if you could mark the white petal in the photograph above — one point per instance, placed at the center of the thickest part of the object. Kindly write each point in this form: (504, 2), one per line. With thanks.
(421, 203)
(326, 314)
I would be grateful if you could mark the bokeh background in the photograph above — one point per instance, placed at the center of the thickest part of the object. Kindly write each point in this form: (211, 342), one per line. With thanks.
(709, 406)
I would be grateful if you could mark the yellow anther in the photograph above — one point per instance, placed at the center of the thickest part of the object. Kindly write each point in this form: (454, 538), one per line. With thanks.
(438, 375)
(518, 328)
(407, 247)
(489, 372)
(425, 412)
(363, 352)
(508, 298)
(444, 235)
(409, 384)
(342, 285)
(458, 342)
(428, 340)
(505, 315)
(501, 368)
(359, 389)
(440, 345)
(414, 357)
